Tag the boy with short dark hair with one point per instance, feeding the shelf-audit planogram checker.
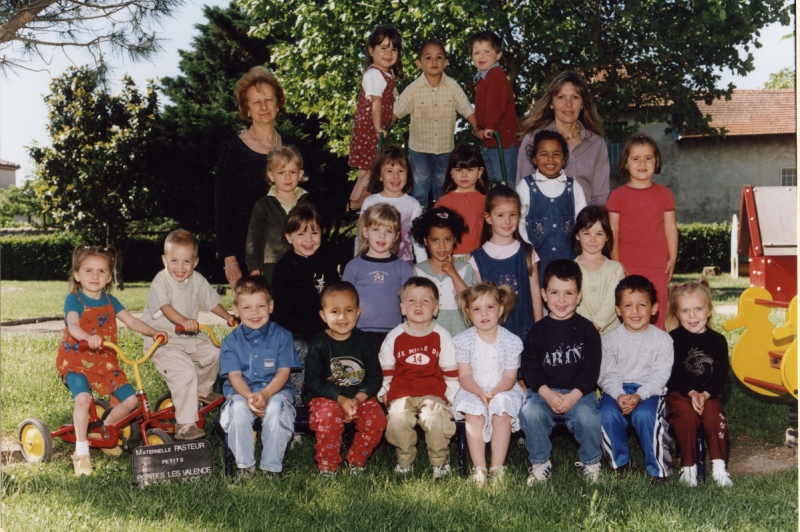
(256, 359)
(560, 364)
(343, 375)
(494, 105)
(189, 364)
(637, 363)
(420, 379)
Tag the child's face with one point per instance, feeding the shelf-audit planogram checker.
(394, 177)
(693, 312)
(592, 239)
(562, 297)
(287, 178)
(93, 275)
(340, 312)
(440, 242)
(549, 158)
(254, 309)
(419, 307)
(180, 261)
(636, 309)
(504, 218)
(641, 163)
(484, 56)
(567, 104)
(306, 240)
(465, 177)
(384, 56)
(432, 60)
(485, 312)
(380, 239)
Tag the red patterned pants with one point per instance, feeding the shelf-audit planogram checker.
(685, 422)
(326, 420)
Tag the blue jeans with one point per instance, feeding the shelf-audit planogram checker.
(491, 156)
(583, 420)
(428, 170)
(649, 419)
(277, 429)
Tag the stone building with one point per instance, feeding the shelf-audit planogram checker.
(8, 173)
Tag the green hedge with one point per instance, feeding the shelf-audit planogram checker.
(701, 245)
(48, 258)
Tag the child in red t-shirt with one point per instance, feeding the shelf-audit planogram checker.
(642, 216)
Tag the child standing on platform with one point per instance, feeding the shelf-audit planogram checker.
(642, 216)
(375, 104)
(505, 258)
(464, 191)
(440, 230)
(593, 240)
(343, 375)
(694, 390)
(433, 100)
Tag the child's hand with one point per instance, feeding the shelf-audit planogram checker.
(485, 397)
(381, 130)
(623, 402)
(95, 342)
(670, 269)
(190, 326)
(698, 402)
(522, 385)
(569, 400)
(257, 403)
(554, 399)
(487, 133)
(634, 400)
(164, 334)
(448, 267)
(350, 409)
(232, 320)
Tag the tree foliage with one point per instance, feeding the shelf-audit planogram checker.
(649, 57)
(782, 79)
(29, 28)
(19, 201)
(96, 177)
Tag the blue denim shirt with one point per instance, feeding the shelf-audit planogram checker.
(258, 354)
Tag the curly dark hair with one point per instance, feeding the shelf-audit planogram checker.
(438, 217)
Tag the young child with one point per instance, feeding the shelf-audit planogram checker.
(420, 379)
(560, 365)
(550, 200)
(642, 216)
(488, 361)
(464, 191)
(694, 390)
(375, 103)
(432, 100)
(265, 241)
(297, 282)
(505, 258)
(440, 230)
(190, 364)
(494, 105)
(637, 361)
(343, 376)
(377, 273)
(256, 360)
(390, 181)
(91, 314)
(593, 240)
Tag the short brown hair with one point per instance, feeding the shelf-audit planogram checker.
(638, 140)
(420, 282)
(251, 284)
(390, 154)
(301, 216)
(256, 76)
(181, 238)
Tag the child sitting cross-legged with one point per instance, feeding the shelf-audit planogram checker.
(256, 359)
(343, 375)
(560, 365)
(420, 379)
(637, 363)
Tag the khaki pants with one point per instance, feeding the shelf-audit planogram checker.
(185, 380)
(433, 416)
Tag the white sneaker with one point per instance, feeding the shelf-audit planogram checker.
(441, 471)
(720, 474)
(479, 476)
(689, 476)
(496, 473)
(539, 473)
(590, 472)
(402, 470)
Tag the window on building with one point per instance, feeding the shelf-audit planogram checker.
(789, 177)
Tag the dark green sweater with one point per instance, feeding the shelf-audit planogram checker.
(346, 367)
(265, 241)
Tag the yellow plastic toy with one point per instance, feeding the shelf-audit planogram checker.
(788, 364)
(750, 359)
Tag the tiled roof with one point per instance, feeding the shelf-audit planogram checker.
(752, 112)
(8, 164)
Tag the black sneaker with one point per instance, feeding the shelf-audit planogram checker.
(658, 482)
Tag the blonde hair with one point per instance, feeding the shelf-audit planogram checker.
(700, 287)
(258, 75)
(279, 157)
(83, 252)
(503, 294)
(381, 215)
(181, 238)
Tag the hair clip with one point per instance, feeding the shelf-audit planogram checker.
(443, 215)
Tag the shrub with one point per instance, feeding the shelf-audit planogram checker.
(701, 245)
